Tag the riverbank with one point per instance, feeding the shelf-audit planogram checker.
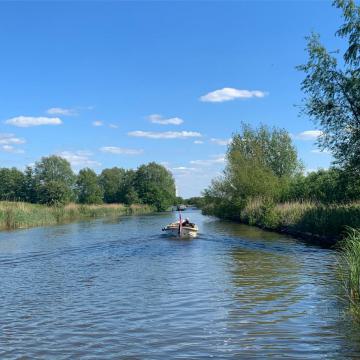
(320, 224)
(17, 215)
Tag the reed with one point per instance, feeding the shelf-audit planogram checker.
(15, 215)
(349, 269)
(307, 217)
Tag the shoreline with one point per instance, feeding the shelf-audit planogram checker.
(20, 215)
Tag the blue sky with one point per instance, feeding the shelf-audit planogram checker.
(124, 83)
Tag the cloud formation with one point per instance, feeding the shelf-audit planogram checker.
(198, 142)
(308, 135)
(98, 123)
(158, 119)
(79, 158)
(8, 139)
(28, 121)
(61, 111)
(165, 134)
(221, 142)
(215, 159)
(227, 94)
(121, 151)
(11, 149)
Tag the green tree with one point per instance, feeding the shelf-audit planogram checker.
(111, 181)
(12, 184)
(88, 188)
(332, 88)
(155, 186)
(54, 180)
(260, 163)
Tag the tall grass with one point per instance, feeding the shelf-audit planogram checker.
(14, 215)
(306, 217)
(349, 265)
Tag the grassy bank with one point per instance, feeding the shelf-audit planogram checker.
(15, 215)
(349, 265)
(324, 224)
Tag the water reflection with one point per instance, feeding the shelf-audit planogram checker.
(117, 288)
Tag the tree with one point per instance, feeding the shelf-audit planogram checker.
(88, 188)
(111, 181)
(260, 163)
(155, 186)
(12, 184)
(54, 180)
(332, 88)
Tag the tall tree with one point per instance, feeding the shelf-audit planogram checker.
(88, 188)
(54, 180)
(12, 184)
(155, 186)
(111, 181)
(332, 88)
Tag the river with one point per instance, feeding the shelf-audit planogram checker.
(120, 289)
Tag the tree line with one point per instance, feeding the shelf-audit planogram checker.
(51, 181)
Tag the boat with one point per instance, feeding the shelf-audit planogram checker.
(182, 231)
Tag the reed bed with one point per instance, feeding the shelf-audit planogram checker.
(15, 215)
(349, 269)
(306, 217)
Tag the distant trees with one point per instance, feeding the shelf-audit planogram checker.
(155, 185)
(332, 88)
(88, 188)
(51, 181)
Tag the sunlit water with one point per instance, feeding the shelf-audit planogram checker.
(121, 290)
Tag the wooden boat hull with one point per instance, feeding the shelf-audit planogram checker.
(185, 232)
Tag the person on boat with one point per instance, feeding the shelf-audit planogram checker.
(187, 223)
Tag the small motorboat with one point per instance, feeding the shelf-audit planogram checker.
(182, 229)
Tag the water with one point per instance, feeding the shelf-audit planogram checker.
(121, 290)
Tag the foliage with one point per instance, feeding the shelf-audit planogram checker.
(302, 217)
(15, 215)
(332, 86)
(349, 261)
(326, 186)
(111, 181)
(54, 180)
(88, 188)
(155, 186)
(11, 184)
(260, 163)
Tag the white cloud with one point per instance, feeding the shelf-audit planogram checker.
(61, 111)
(113, 126)
(11, 149)
(165, 134)
(158, 119)
(7, 139)
(222, 142)
(216, 159)
(121, 151)
(98, 123)
(27, 121)
(308, 135)
(198, 142)
(183, 168)
(227, 94)
(79, 158)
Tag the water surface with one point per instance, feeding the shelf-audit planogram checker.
(119, 289)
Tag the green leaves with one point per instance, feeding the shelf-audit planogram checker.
(332, 89)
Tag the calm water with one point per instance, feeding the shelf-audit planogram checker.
(121, 290)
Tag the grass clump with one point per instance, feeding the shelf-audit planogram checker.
(15, 215)
(349, 261)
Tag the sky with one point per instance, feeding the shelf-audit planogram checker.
(108, 84)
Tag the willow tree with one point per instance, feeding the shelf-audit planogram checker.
(332, 88)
